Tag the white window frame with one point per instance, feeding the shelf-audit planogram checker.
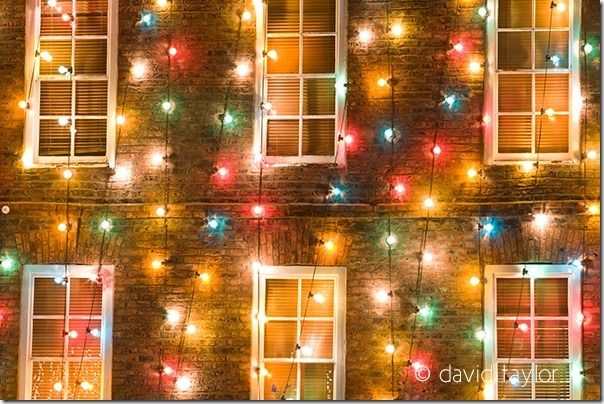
(492, 156)
(32, 118)
(260, 121)
(73, 271)
(338, 275)
(573, 274)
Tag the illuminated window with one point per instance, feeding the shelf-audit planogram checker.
(521, 49)
(289, 317)
(65, 347)
(72, 97)
(304, 61)
(533, 331)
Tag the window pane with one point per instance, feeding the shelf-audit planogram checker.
(559, 18)
(556, 387)
(551, 339)
(287, 55)
(92, 17)
(281, 298)
(54, 138)
(49, 297)
(91, 137)
(55, 98)
(51, 22)
(86, 343)
(515, 13)
(47, 337)
(522, 390)
(319, 97)
(556, 92)
(279, 338)
(318, 137)
(319, 16)
(44, 376)
(514, 134)
(90, 372)
(91, 98)
(284, 95)
(316, 381)
(515, 93)
(558, 46)
(83, 293)
(321, 287)
(61, 55)
(514, 50)
(283, 16)
(319, 54)
(551, 297)
(282, 138)
(521, 347)
(513, 297)
(90, 56)
(317, 339)
(554, 134)
(274, 384)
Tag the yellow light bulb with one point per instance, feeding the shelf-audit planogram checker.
(246, 16)
(365, 36)
(474, 281)
(205, 277)
(593, 209)
(23, 104)
(161, 211)
(62, 227)
(527, 166)
(428, 203)
(472, 173)
(272, 54)
(156, 264)
(138, 70)
(329, 245)
(592, 154)
(382, 82)
(67, 174)
(397, 30)
(474, 67)
(191, 329)
(390, 348)
(120, 119)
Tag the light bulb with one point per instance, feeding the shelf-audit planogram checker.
(272, 54)
(474, 281)
(550, 112)
(472, 173)
(555, 59)
(172, 51)
(156, 264)
(120, 119)
(427, 257)
(62, 69)
(483, 12)
(450, 100)
(335, 191)
(348, 139)
(382, 296)
(167, 106)
(399, 189)
(593, 209)
(514, 380)
(480, 335)
(46, 56)
(222, 171)
(428, 203)
(263, 372)
(588, 48)
(23, 104)
(213, 224)
(527, 166)
(67, 174)
(157, 159)
(58, 280)
(106, 225)
(183, 383)
(162, 3)
(389, 134)
(319, 298)
(523, 327)
(436, 150)
(167, 370)
(227, 118)
(561, 7)
(390, 348)
(146, 18)
(486, 119)
(365, 35)
(204, 277)
(242, 69)
(62, 227)
(65, 17)
(488, 227)
(122, 173)
(172, 316)
(391, 240)
(267, 106)
(256, 266)
(161, 211)
(592, 154)
(86, 386)
(382, 82)
(191, 329)
(138, 70)
(257, 210)
(52, 3)
(73, 334)
(58, 386)
(329, 245)
(425, 311)
(95, 332)
(246, 16)
(489, 391)
(579, 318)
(306, 350)
(458, 47)
(63, 121)
(6, 263)
(474, 67)
(416, 365)
(541, 220)
(397, 30)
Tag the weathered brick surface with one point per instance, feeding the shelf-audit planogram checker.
(205, 33)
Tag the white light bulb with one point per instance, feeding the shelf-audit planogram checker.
(365, 35)
(390, 348)
(427, 257)
(166, 106)
(397, 30)
(246, 16)
(458, 47)
(481, 335)
(67, 174)
(242, 69)
(191, 329)
(527, 166)
(157, 159)
(227, 119)
(306, 350)
(63, 120)
(391, 239)
(106, 225)
(523, 327)
(122, 173)
(588, 48)
(58, 386)
(319, 298)
(592, 154)
(73, 334)
(483, 12)
(95, 332)
(474, 281)
(46, 56)
(172, 316)
(86, 386)
(258, 210)
(272, 54)
(120, 119)
(138, 70)
(205, 277)
(161, 211)
(428, 203)
(213, 224)
(183, 383)
(561, 7)
(168, 370)
(474, 67)
(541, 220)
(382, 296)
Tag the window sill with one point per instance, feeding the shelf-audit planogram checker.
(274, 161)
(82, 162)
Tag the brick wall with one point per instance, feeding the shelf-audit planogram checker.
(205, 33)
